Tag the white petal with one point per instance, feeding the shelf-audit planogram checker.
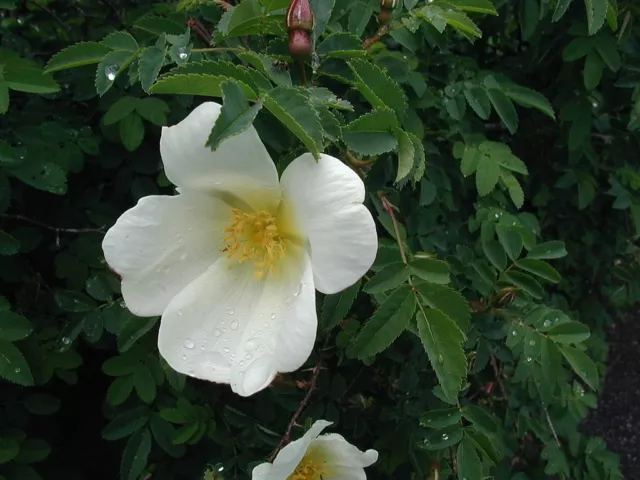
(327, 197)
(290, 456)
(162, 244)
(345, 473)
(241, 161)
(229, 327)
(337, 452)
(261, 472)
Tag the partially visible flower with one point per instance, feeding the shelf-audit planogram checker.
(315, 457)
(232, 262)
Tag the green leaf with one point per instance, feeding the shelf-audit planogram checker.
(153, 110)
(4, 97)
(13, 366)
(120, 41)
(120, 365)
(447, 300)
(144, 384)
(462, 23)
(528, 98)
(593, 68)
(442, 439)
(440, 418)
(582, 365)
(391, 276)
(378, 88)
(371, 134)
(548, 251)
(78, 55)
(131, 131)
(431, 270)
(481, 419)
(561, 8)
(386, 324)
(72, 301)
(133, 330)
(185, 433)
(406, 154)
(469, 464)
(119, 390)
(30, 80)
(478, 100)
(267, 66)
(341, 45)
(442, 340)
(149, 66)
(43, 175)
(608, 49)
(525, 282)
(515, 190)
(322, 10)
(487, 175)
(135, 455)
(8, 244)
(577, 48)
(126, 423)
(540, 269)
(120, 109)
(33, 450)
(196, 84)
(596, 14)
(42, 404)
(511, 241)
(476, 6)
(9, 448)
(235, 117)
(569, 332)
(529, 18)
(336, 307)
(495, 254)
(14, 327)
(163, 433)
(110, 67)
(292, 108)
(504, 107)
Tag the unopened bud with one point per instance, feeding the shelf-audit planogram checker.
(389, 4)
(300, 16)
(299, 43)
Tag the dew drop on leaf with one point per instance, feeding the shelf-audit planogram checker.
(182, 53)
(445, 436)
(110, 72)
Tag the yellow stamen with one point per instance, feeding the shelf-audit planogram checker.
(307, 469)
(254, 237)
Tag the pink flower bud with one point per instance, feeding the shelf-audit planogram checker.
(299, 43)
(300, 16)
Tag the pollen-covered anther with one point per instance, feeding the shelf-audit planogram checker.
(254, 237)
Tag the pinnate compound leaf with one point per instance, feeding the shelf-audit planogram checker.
(386, 324)
(378, 88)
(336, 307)
(135, 455)
(442, 340)
(236, 115)
(13, 365)
(78, 55)
(292, 107)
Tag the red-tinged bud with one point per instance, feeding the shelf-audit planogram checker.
(299, 44)
(389, 4)
(300, 16)
(384, 17)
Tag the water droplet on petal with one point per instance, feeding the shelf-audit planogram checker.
(231, 312)
(234, 325)
(250, 344)
(226, 350)
(179, 313)
(110, 72)
(184, 358)
(189, 344)
(298, 290)
(242, 363)
(217, 333)
(273, 316)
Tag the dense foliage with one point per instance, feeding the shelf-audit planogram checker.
(498, 143)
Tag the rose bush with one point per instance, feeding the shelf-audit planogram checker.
(225, 224)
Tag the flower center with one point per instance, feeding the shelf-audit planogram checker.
(254, 237)
(307, 470)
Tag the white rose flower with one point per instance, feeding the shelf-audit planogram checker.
(232, 262)
(313, 457)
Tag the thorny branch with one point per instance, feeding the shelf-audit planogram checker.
(286, 438)
(49, 227)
